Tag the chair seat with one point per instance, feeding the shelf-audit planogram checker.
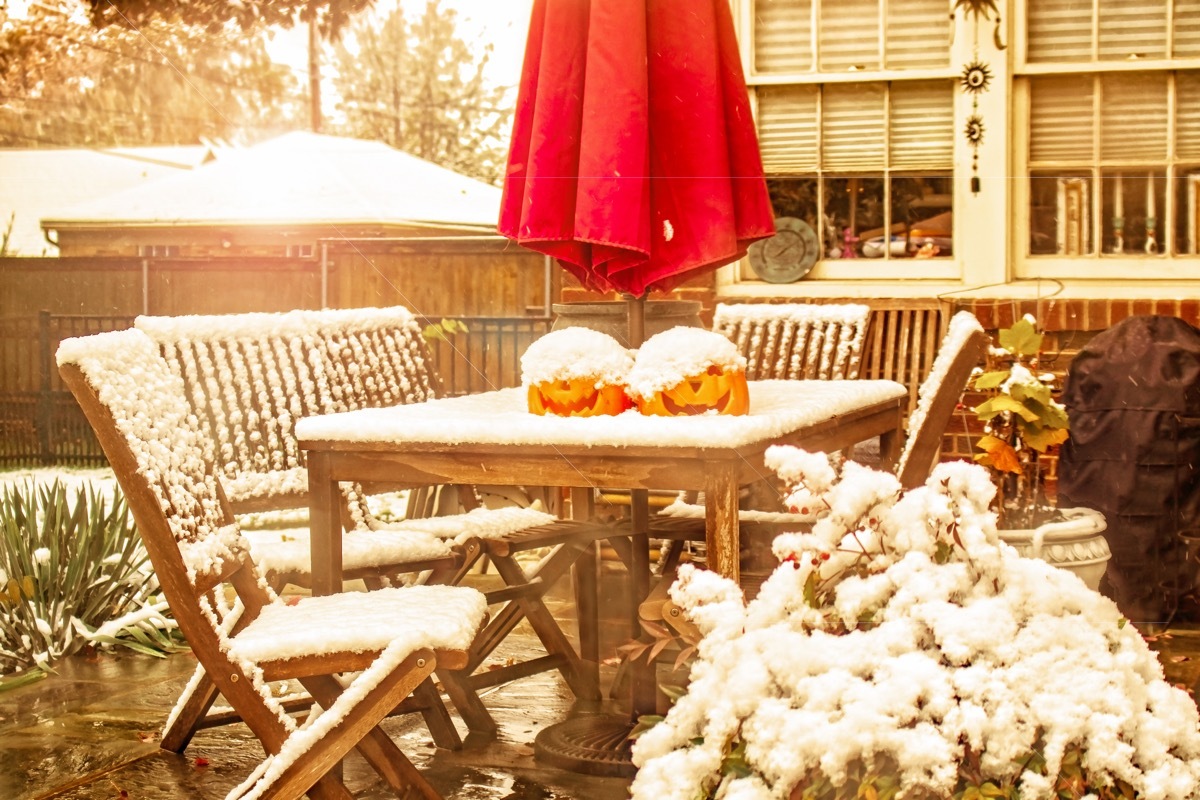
(410, 541)
(437, 617)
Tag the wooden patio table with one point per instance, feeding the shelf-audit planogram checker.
(491, 438)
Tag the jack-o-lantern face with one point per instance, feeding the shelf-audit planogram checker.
(724, 392)
(578, 397)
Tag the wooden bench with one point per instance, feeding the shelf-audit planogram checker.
(796, 340)
(249, 377)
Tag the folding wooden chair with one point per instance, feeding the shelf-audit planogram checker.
(399, 636)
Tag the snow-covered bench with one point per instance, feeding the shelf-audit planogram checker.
(796, 340)
(249, 377)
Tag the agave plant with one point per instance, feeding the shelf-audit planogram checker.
(71, 564)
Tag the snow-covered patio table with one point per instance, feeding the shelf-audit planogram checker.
(492, 438)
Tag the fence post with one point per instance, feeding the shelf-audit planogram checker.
(45, 397)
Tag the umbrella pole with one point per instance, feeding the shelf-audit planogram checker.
(636, 311)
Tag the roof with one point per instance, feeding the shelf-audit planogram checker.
(33, 182)
(300, 179)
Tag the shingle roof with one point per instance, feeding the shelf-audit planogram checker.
(33, 182)
(300, 178)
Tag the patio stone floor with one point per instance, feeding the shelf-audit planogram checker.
(90, 732)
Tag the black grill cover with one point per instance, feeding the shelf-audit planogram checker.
(1133, 397)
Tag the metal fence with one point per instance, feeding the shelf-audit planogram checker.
(41, 425)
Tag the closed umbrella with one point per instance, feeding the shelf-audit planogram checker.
(634, 160)
(635, 164)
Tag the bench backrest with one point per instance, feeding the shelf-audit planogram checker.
(249, 377)
(796, 340)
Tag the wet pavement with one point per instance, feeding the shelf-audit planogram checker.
(90, 732)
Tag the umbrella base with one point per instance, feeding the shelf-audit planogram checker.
(612, 317)
(593, 744)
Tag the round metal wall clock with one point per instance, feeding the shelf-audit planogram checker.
(788, 255)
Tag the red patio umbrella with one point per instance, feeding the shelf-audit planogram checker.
(634, 159)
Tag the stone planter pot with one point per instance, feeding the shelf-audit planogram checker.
(1075, 543)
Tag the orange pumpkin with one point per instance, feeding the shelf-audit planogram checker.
(716, 389)
(577, 397)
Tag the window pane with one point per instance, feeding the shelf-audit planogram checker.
(854, 205)
(1133, 115)
(797, 197)
(922, 215)
(913, 26)
(1132, 205)
(1187, 115)
(853, 133)
(922, 125)
(783, 35)
(1187, 29)
(849, 35)
(1136, 30)
(1060, 213)
(1060, 118)
(1187, 217)
(1059, 30)
(787, 128)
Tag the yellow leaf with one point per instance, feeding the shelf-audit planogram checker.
(1000, 453)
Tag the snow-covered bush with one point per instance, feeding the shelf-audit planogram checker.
(901, 650)
(72, 572)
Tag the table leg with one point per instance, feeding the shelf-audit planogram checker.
(643, 686)
(325, 526)
(722, 536)
(585, 574)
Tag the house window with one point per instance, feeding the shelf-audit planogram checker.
(298, 251)
(1113, 163)
(866, 165)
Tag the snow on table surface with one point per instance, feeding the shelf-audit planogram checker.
(777, 407)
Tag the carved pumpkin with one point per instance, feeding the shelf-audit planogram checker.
(716, 389)
(577, 397)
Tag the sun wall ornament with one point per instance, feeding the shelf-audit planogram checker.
(976, 76)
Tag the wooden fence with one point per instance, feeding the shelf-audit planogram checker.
(41, 425)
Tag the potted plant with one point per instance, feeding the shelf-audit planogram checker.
(1022, 422)
(899, 650)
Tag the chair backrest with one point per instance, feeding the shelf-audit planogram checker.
(796, 340)
(249, 377)
(963, 348)
(902, 342)
(165, 468)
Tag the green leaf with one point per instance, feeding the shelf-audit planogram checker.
(1042, 439)
(991, 380)
(1021, 339)
(1001, 403)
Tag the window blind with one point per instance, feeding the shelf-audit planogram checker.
(1058, 30)
(853, 126)
(916, 35)
(921, 134)
(1060, 119)
(1133, 116)
(787, 129)
(783, 35)
(1133, 29)
(1186, 36)
(849, 35)
(1187, 115)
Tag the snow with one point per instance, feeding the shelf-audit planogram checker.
(898, 632)
(795, 340)
(576, 353)
(668, 358)
(502, 418)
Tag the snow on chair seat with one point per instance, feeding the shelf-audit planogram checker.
(166, 469)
